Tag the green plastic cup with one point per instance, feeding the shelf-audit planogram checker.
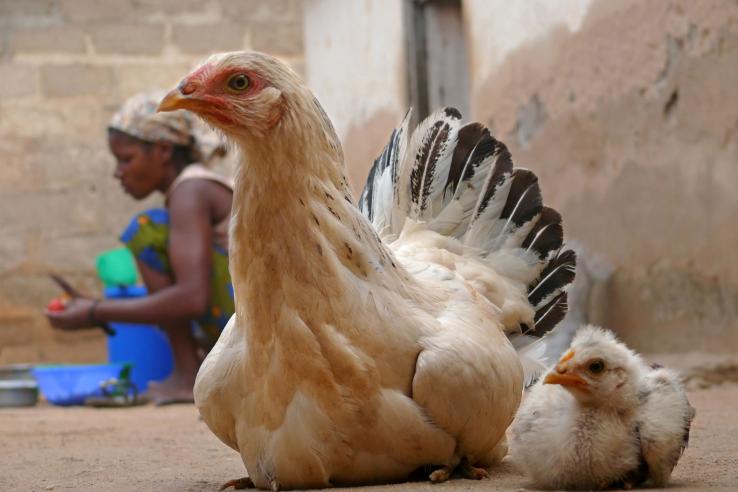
(116, 267)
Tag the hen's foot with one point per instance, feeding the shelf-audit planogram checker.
(472, 472)
(466, 469)
(442, 474)
(239, 484)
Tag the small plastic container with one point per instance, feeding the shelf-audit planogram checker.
(145, 347)
(70, 384)
(116, 267)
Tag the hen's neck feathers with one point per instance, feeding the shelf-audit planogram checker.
(295, 234)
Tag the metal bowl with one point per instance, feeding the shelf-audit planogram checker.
(18, 393)
(16, 371)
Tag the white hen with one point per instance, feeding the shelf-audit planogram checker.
(360, 352)
(601, 418)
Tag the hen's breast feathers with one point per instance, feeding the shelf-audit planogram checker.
(331, 328)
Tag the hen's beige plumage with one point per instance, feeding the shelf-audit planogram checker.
(352, 358)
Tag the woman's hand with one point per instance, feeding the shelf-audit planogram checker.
(75, 316)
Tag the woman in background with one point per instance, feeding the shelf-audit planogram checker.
(181, 250)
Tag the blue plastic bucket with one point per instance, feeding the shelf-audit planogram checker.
(71, 384)
(145, 347)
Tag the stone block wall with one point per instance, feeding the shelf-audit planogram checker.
(65, 66)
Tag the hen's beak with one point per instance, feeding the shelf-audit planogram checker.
(184, 96)
(564, 376)
(174, 100)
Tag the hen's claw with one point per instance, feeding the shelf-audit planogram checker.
(239, 484)
(472, 472)
(466, 469)
(441, 475)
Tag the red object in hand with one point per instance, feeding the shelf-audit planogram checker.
(57, 304)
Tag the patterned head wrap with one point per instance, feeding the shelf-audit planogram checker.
(138, 117)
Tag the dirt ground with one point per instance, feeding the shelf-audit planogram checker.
(162, 449)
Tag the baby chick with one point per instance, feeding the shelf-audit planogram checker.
(601, 418)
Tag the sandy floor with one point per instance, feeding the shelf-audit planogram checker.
(147, 448)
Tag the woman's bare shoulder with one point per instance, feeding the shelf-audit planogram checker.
(201, 194)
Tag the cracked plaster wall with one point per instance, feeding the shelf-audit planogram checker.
(628, 112)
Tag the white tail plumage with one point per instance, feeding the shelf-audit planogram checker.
(461, 182)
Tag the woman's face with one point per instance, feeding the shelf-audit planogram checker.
(139, 168)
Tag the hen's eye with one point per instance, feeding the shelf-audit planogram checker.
(238, 82)
(596, 366)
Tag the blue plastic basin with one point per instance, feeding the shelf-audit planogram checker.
(71, 384)
(145, 347)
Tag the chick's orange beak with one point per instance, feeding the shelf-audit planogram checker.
(565, 379)
(563, 374)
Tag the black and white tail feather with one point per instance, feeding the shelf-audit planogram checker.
(460, 181)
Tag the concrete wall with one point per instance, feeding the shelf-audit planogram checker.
(355, 63)
(65, 66)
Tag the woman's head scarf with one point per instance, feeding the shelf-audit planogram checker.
(138, 118)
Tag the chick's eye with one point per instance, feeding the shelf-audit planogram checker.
(238, 82)
(596, 366)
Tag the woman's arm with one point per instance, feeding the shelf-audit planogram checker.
(190, 255)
